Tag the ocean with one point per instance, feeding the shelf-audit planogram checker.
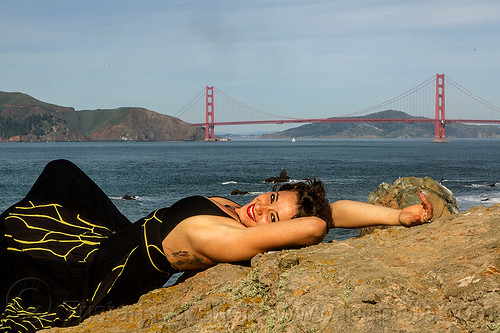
(160, 173)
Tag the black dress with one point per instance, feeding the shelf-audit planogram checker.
(66, 251)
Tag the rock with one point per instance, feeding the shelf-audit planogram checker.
(238, 192)
(129, 197)
(442, 276)
(282, 178)
(404, 193)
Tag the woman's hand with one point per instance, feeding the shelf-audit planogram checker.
(416, 214)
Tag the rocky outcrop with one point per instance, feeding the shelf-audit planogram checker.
(282, 178)
(442, 276)
(404, 192)
(129, 197)
(238, 192)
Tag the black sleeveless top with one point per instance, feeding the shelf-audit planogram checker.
(66, 251)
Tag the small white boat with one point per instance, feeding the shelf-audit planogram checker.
(293, 140)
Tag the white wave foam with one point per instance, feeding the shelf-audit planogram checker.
(229, 182)
(485, 199)
(289, 181)
(120, 198)
(482, 185)
(458, 180)
(135, 197)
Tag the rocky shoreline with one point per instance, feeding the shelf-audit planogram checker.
(442, 276)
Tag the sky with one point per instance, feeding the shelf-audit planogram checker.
(297, 58)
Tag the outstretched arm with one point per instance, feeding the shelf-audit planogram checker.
(352, 214)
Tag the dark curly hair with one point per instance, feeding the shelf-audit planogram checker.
(311, 199)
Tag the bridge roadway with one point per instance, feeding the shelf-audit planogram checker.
(347, 120)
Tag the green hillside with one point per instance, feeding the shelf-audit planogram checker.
(24, 118)
(91, 121)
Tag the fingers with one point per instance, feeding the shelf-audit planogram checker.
(427, 205)
(411, 220)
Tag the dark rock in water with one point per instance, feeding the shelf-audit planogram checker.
(129, 197)
(404, 193)
(282, 178)
(492, 185)
(485, 199)
(442, 276)
(238, 192)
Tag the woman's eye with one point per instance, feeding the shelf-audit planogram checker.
(273, 196)
(273, 218)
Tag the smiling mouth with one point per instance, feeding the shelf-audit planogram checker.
(251, 212)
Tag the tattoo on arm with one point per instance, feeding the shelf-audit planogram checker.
(183, 259)
(180, 254)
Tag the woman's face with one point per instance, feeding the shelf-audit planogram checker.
(268, 208)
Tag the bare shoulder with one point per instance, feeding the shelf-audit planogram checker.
(223, 201)
(227, 206)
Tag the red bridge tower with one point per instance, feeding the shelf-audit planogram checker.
(209, 125)
(440, 135)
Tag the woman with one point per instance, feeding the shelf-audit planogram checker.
(69, 253)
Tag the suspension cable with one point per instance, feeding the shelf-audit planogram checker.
(190, 104)
(250, 107)
(472, 95)
(392, 100)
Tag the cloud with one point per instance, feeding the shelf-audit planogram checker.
(280, 54)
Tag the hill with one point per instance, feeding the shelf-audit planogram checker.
(384, 130)
(24, 118)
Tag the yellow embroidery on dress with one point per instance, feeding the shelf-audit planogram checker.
(122, 267)
(88, 255)
(26, 317)
(153, 217)
(71, 309)
(148, 246)
(20, 317)
(33, 205)
(95, 291)
(59, 218)
(94, 226)
(86, 235)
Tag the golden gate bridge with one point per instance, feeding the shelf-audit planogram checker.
(421, 101)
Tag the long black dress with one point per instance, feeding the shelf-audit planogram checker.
(66, 252)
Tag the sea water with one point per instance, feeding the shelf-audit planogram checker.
(160, 173)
